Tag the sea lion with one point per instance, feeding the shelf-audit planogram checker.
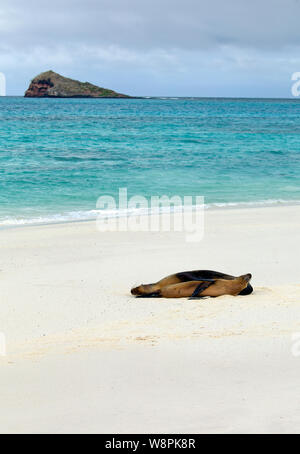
(196, 284)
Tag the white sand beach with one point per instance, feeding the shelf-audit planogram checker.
(84, 356)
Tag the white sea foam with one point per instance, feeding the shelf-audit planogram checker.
(89, 215)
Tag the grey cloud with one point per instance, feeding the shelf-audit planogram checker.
(145, 24)
(175, 47)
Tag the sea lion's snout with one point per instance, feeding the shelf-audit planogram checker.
(247, 277)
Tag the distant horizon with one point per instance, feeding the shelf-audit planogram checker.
(13, 92)
(291, 98)
(213, 92)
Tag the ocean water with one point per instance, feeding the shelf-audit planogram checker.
(57, 156)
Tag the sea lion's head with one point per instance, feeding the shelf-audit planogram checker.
(243, 284)
(246, 277)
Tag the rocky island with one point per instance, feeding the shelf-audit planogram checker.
(52, 85)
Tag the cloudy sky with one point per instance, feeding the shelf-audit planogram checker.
(155, 47)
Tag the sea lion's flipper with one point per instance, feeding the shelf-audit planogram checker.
(200, 288)
(145, 289)
(150, 295)
(247, 291)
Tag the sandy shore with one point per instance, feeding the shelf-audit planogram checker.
(85, 356)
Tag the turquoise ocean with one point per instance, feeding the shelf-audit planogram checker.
(57, 156)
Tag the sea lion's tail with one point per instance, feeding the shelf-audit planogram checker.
(147, 289)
